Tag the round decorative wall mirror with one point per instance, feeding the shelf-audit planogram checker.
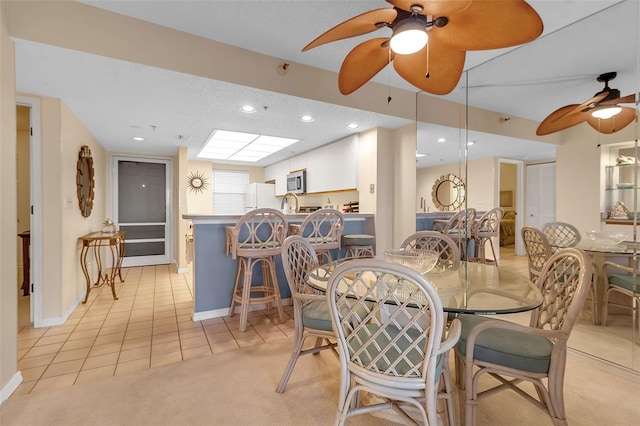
(448, 193)
(84, 181)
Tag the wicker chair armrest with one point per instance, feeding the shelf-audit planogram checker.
(628, 269)
(310, 297)
(295, 229)
(453, 335)
(231, 241)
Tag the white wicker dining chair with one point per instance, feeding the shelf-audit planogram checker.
(436, 241)
(483, 231)
(323, 228)
(458, 227)
(623, 280)
(311, 315)
(561, 235)
(397, 355)
(537, 248)
(512, 353)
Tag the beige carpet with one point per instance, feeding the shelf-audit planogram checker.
(237, 388)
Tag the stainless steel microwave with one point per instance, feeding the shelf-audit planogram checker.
(297, 182)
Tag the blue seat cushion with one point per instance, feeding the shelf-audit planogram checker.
(628, 282)
(509, 348)
(316, 315)
(358, 240)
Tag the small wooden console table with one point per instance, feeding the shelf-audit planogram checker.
(26, 264)
(115, 244)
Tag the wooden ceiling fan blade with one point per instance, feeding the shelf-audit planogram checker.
(586, 104)
(444, 65)
(433, 7)
(362, 63)
(490, 24)
(629, 99)
(613, 124)
(358, 25)
(561, 119)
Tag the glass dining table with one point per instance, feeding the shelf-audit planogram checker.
(474, 288)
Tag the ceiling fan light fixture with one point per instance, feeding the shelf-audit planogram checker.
(409, 35)
(605, 113)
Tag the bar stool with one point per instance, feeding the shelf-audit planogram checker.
(256, 239)
(359, 245)
(323, 229)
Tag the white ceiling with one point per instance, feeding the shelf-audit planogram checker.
(117, 99)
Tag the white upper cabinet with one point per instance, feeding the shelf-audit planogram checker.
(278, 172)
(332, 167)
(299, 162)
(336, 165)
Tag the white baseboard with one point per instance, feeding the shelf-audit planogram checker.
(10, 387)
(50, 322)
(223, 312)
(215, 313)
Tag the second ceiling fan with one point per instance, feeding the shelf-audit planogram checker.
(604, 112)
(429, 39)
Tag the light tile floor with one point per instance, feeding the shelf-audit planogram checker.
(149, 326)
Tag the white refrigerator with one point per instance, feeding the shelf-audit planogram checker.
(261, 195)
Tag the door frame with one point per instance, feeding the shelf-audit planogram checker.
(519, 200)
(35, 200)
(168, 162)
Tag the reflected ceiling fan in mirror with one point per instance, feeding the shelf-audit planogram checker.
(429, 39)
(604, 112)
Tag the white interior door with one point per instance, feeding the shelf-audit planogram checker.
(142, 208)
(540, 194)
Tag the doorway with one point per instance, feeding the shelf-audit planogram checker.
(29, 206)
(142, 207)
(511, 197)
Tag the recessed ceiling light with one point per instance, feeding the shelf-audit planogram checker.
(352, 126)
(137, 138)
(248, 109)
(441, 140)
(306, 119)
(420, 155)
(471, 143)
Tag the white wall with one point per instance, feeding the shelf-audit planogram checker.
(579, 174)
(9, 375)
(481, 185)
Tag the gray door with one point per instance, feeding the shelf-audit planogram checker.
(142, 207)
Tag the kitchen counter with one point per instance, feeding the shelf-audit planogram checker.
(214, 271)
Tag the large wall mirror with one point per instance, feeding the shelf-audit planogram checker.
(566, 68)
(448, 193)
(541, 76)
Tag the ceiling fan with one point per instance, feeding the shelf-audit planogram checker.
(603, 111)
(429, 39)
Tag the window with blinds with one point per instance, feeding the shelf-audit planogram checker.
(229, 189)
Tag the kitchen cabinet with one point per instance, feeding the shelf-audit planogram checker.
(278, 173)
(333, 167)
(336, 166)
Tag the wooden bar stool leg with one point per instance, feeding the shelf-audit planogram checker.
(276, 289)
(236, 287)
(246, 294)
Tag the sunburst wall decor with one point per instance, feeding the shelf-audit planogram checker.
(197, 182)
